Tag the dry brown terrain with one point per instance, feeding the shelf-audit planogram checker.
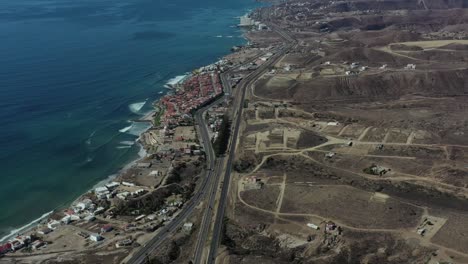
(361, 124)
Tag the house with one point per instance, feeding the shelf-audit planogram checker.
(151, 217)
(83, 234)
(53, 224)
(123, 195)
(332, 123)
(95, 237)
(421, 231)
(90, 218)
(144, 164)
(188, 226)
(111, 186)
(37, 244)
(99, 210)
(106, 228)
(45, 231)
(15, 245)
(100, 190)
(123, 243)
(5, 248)
(313, 226)
(66, 220)
(128, 184)
(19, 242)
(138, 218)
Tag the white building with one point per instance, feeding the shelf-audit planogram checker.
(53, 224)
(246, 21)
(128, 184)
(112, 185)
(95, 237)
(313, 226)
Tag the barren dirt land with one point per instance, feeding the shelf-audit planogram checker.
(354, 146)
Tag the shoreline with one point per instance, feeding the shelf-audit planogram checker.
(147, 117)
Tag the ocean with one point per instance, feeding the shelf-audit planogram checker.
(72, 75)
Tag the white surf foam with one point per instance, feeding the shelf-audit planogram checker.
(136, 107)
(127, 143)
(174, 81)
(24, 228)
(126, 129)
(123, 147)
(138, 128)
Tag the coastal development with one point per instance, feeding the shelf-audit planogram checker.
(338, 134)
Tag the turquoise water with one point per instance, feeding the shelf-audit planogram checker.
(73, 72)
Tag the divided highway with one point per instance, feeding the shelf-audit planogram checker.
(243, 85)
(210, 182)
(142, 255)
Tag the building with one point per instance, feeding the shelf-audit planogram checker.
(246, 21)
(188, 226)
(37, 244)
(128, 184)
(90, 218)
(99, 190)
(144, 165)
(5, 248)
(106, 228)
(138, 218)
(111, 186)
(95, 237)
(123, 243)
(53, 224)
(45, 231)
(313, 226)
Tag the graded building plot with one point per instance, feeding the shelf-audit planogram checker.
(308, 139)
(430, 225)
(409, 151)
(424, 137)
(375, 134)
(332, 128)
(353, 131)
(428, 44)
(396, 135)
(351, 206)
(379, 197)
(264, 198)
(357, 164)
(454, 233)
(450, 175)
(277, 87)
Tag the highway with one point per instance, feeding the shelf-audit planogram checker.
(210, 182)
(246, 82)
(142, 255)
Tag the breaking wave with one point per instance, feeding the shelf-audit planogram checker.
(136, 128)
(23, 228)
(125, 129)
(136, 107)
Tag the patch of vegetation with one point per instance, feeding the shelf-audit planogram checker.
(221, 142)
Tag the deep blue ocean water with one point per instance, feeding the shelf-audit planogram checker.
(72, 73)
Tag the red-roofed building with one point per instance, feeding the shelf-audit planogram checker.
(5, 248)
(106, 228)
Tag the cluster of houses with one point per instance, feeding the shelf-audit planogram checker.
(18, 243)
(194, 93)
(110, 190)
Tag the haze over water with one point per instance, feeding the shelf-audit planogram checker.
(73, 72)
